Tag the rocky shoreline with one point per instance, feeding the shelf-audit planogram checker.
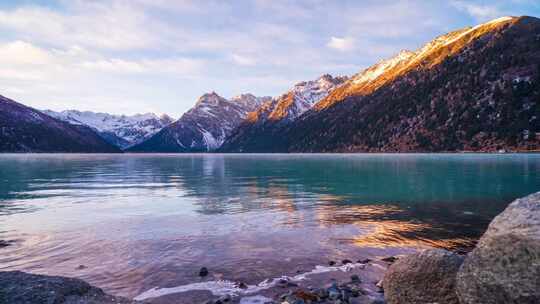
(504, 267)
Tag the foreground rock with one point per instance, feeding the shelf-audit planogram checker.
(425, 277)
(505, 265)
(24, 288)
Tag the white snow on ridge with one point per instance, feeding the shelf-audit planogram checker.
(308, 93)
(132, 128)
(494, 21)
(102, 121)
(406, 57)
(380, 68)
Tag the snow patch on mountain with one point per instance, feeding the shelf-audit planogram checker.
(381, 67)
(300, 98)
(307, 93)
(129, 129)
(205, 126)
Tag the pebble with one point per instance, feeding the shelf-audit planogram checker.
(364, 261)
(390, 260)
(203, 272)
(305, 295)
(241, 285)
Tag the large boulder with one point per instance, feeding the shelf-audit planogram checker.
(24, 288)
(505, 265)
(424, 277)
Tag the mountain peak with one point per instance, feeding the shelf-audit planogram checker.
(243, 96)
(428, 56)
(30, 130)
(205, 126)
(212, 94)
(469, 90)
(210, 98)
(166, 119)
(300, 98)
(249, 101)
(120, 130)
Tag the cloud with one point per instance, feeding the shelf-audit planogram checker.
(114, 65)
(478, 11)
(341, 43)
(92, 24)
(21, 52)
(243, 60)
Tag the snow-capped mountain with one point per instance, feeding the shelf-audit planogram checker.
(204, 127)
(297, 100)
(281, 110)
(430, 55)
(473, 89)
(121, 130)
(24, 129)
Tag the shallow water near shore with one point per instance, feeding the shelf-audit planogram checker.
(129, 223)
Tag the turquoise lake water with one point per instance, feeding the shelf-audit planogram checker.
(131, 222)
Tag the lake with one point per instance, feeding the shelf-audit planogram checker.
(128, 223)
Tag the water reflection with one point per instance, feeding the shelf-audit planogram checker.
(389, 225)
(138, 221)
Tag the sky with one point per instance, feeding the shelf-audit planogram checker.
(138, 56)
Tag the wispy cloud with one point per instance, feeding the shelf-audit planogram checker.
(341, 43)
(481, 12)
(23, 53)
(243, 60)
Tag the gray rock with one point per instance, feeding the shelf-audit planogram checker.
(4, 243)
(424, 277)
(24, 288)
(505, 265)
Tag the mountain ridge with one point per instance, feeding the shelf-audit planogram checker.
(24, 129)
(430, 108)
(472, 89)
(204, 127)
(259, 125)
(356, 116)
(122, 131)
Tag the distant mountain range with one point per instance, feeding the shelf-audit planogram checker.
(23, 129)
(258, 132)
(474, 89)
(122, 131)
(204, 127)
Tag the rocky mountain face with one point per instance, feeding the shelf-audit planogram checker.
(204, 127)
(23, 129)
(258, 131)
(475, 89)
(122, 131)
